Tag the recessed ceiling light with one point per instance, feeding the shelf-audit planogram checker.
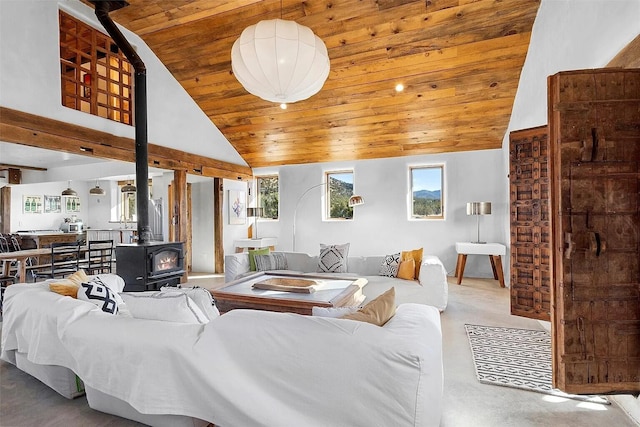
(399, 87)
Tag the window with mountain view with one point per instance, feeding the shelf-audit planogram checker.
(268, 195)
(427, 200)
(339, 187)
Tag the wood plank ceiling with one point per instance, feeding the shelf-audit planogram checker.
(459, 60)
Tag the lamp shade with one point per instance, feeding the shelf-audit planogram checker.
(255, 212)
(97, 191)
(280, 61)
(479, 208)
(69, 191)
(356, 201)
(129, 188)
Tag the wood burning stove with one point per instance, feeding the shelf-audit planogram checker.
(150, 266)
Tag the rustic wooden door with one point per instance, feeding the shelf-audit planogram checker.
(594, 125)
(530, 260)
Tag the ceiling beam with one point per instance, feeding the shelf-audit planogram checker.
(41, 132)
(6, 166)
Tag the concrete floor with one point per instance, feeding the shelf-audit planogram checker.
(24, 401)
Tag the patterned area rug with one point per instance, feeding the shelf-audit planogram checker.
(518, 358)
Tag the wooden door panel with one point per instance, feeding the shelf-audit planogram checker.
(530, 244)
(595, 174)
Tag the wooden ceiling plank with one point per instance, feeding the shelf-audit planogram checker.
(459, 59)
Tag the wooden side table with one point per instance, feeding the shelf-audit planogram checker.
(493, 250)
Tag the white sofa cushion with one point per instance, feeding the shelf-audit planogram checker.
(201, 296)
(166, 306)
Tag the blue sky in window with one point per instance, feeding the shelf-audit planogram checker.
(344, 177)
(426, 179)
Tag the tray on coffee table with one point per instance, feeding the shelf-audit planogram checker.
(330, 291)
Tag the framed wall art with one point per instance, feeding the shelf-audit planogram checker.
(32, 204)
(52, 204)
(237, 207)
(71, 204)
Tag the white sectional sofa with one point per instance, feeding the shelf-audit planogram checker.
(430, 289)
(244, 368)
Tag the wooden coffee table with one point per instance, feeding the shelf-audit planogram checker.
(332, 291)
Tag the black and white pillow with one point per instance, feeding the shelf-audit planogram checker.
(390, 265)
(99, 294)
(333, 258)
(273, 261)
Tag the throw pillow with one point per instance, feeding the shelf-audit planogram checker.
(253, 253)
(333, 258)
(113, 281)
(65, 287)
(166, 306)
(78, 277)
(99, 294)
(406, 270)
(416, 255)
(274, 261)
(390, 265)
(378, 311)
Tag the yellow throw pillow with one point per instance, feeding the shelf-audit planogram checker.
(79, 277)
(406, 270)
(378, 311)
(65, 287)
(416, 255)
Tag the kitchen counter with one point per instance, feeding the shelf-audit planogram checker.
(118, 235)
(43, 239)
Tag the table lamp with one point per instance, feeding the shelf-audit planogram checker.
(477, 209)
(256, 213)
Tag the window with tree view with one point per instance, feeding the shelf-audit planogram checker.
(268, 195)
(339, 188)
(427, 190)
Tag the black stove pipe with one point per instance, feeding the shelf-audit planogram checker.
(102, 9)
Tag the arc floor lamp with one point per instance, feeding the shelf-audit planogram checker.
(353, 201)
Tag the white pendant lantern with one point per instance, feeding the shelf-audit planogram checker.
(280, 61)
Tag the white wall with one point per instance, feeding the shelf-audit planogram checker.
(203, 232)
(30, 81)
(44, 221)
(381, 226)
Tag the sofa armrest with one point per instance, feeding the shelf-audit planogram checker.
(433, 278)
(235, 265)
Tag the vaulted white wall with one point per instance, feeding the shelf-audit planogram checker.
(30, 81)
